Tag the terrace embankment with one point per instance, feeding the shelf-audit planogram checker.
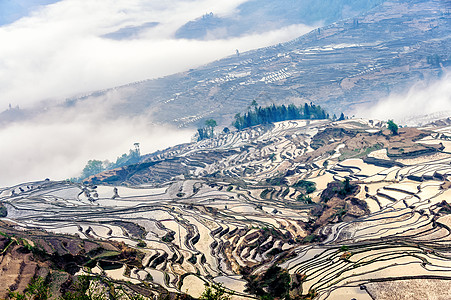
(338, 204)
(299, 194)
(358, 143)
(26, 256)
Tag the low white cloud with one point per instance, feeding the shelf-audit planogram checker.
(59, 50)
(58, 144)
(423, 103)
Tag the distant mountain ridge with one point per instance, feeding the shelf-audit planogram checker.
(263, 15)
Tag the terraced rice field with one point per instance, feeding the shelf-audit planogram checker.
(236, 203)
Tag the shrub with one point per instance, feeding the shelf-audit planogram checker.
(392, 127)
(304, 198)
(275, 282)
(264, 193)
(214, 292)
(308, 186)
(168, 237)
(344, 248)
(37, 289)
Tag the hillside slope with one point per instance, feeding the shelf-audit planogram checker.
(327, 210)
(350, 62)
(347, 63)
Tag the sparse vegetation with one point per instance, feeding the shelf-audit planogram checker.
(193, 259)
(434, 60)
(277, 180)
(304, 198)
(141, 244)
(273, 284)
(344, 248)
(3, 211)
(207, 131)
(308, 186)
(265, 193)
(275, 251)
(37, 289)
(215, 292)
(311, 238)
(80, 290)
(392, 127)
(285, 192)
(168, 237)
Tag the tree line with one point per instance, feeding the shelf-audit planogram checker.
(264, 115)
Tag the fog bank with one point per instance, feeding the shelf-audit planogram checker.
(62, 49)
(58, 144)
(423, 103)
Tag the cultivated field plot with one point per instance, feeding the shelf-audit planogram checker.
(338, 205)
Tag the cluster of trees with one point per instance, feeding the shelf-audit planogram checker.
(346, 188)
(206, 132)
(308, 186)
(340, 189)
(258, 115)
(96, 166)
(265, 115)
